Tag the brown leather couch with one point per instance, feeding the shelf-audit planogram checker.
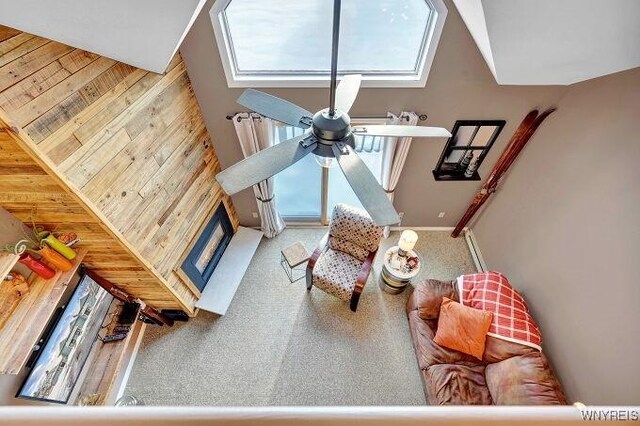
(509, 374)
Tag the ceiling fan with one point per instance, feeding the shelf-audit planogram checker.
(328, 134)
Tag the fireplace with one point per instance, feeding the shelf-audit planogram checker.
(208, 248)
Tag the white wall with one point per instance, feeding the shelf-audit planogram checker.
(142, 33)
(554, 42)
(564, 228)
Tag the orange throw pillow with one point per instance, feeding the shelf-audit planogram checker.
(462, 328)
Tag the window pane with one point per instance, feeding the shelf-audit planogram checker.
(297, 187)
(287, 36)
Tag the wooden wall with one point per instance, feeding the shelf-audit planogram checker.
(130, 143)
(25, 188)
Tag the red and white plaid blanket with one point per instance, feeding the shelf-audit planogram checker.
(491, 291)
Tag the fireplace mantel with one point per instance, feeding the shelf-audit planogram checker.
(226, 277)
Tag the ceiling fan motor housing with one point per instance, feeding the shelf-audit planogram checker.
(331, 129)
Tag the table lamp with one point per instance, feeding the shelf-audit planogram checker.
(408, 240)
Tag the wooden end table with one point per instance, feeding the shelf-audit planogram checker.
(395, 277)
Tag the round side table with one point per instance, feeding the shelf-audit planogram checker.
(394, 279)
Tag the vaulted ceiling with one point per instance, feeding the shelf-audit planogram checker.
(561, 42)
(143, 33)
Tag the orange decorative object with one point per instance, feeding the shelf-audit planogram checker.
(462, 328)
(55, 259)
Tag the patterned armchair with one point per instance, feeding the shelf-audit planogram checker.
(342, 262)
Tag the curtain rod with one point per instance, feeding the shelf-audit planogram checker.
(421, 117)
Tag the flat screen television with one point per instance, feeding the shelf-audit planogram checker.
(60, 361)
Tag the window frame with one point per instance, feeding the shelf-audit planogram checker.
(266, 79)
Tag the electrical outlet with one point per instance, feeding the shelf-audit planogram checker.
(401, 214)
(441, 214)
(255, 215)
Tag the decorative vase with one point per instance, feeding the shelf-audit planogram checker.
(466, 159)
(59, 246)
(36, 266)
(471, 169)
(55, 259)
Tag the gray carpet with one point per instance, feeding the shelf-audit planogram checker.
(279, 345)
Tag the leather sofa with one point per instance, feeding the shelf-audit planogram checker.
(509, 373)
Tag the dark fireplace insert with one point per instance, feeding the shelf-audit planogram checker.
(208, 248)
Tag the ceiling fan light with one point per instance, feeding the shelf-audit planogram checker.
(325, 161)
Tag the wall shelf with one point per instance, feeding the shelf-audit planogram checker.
(466, 149)
(106, 366)
(23, 329)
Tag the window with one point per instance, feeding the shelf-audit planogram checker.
(298, 186)
(282, 43)
(301, 187)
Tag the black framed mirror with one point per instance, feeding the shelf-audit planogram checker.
(465, 150)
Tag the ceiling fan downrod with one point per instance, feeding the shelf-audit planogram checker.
(334, 56)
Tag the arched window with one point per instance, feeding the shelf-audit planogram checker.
(284, 43)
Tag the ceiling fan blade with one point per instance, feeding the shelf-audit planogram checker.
(401, 131)
(347, 91)
(264, 164)
(275, 108)
(364, 184)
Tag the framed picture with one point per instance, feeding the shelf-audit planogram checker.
(60, 362)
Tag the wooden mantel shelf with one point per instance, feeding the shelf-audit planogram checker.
(22, 330)
(106, 366)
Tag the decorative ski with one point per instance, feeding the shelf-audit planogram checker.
(517, 142)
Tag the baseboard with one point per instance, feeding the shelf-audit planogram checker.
(423, 228)
(474, 249)
(303, 225)
(393, 228)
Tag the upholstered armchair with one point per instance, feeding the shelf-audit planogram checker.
(342, 262)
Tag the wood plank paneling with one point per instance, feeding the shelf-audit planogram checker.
(58, 94)
(30, 193)
(13, 50)
(22, 67)
(129, 143)
(10, 44)
(6, 32)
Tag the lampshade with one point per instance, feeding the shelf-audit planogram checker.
(408, 240)
(325, 161)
